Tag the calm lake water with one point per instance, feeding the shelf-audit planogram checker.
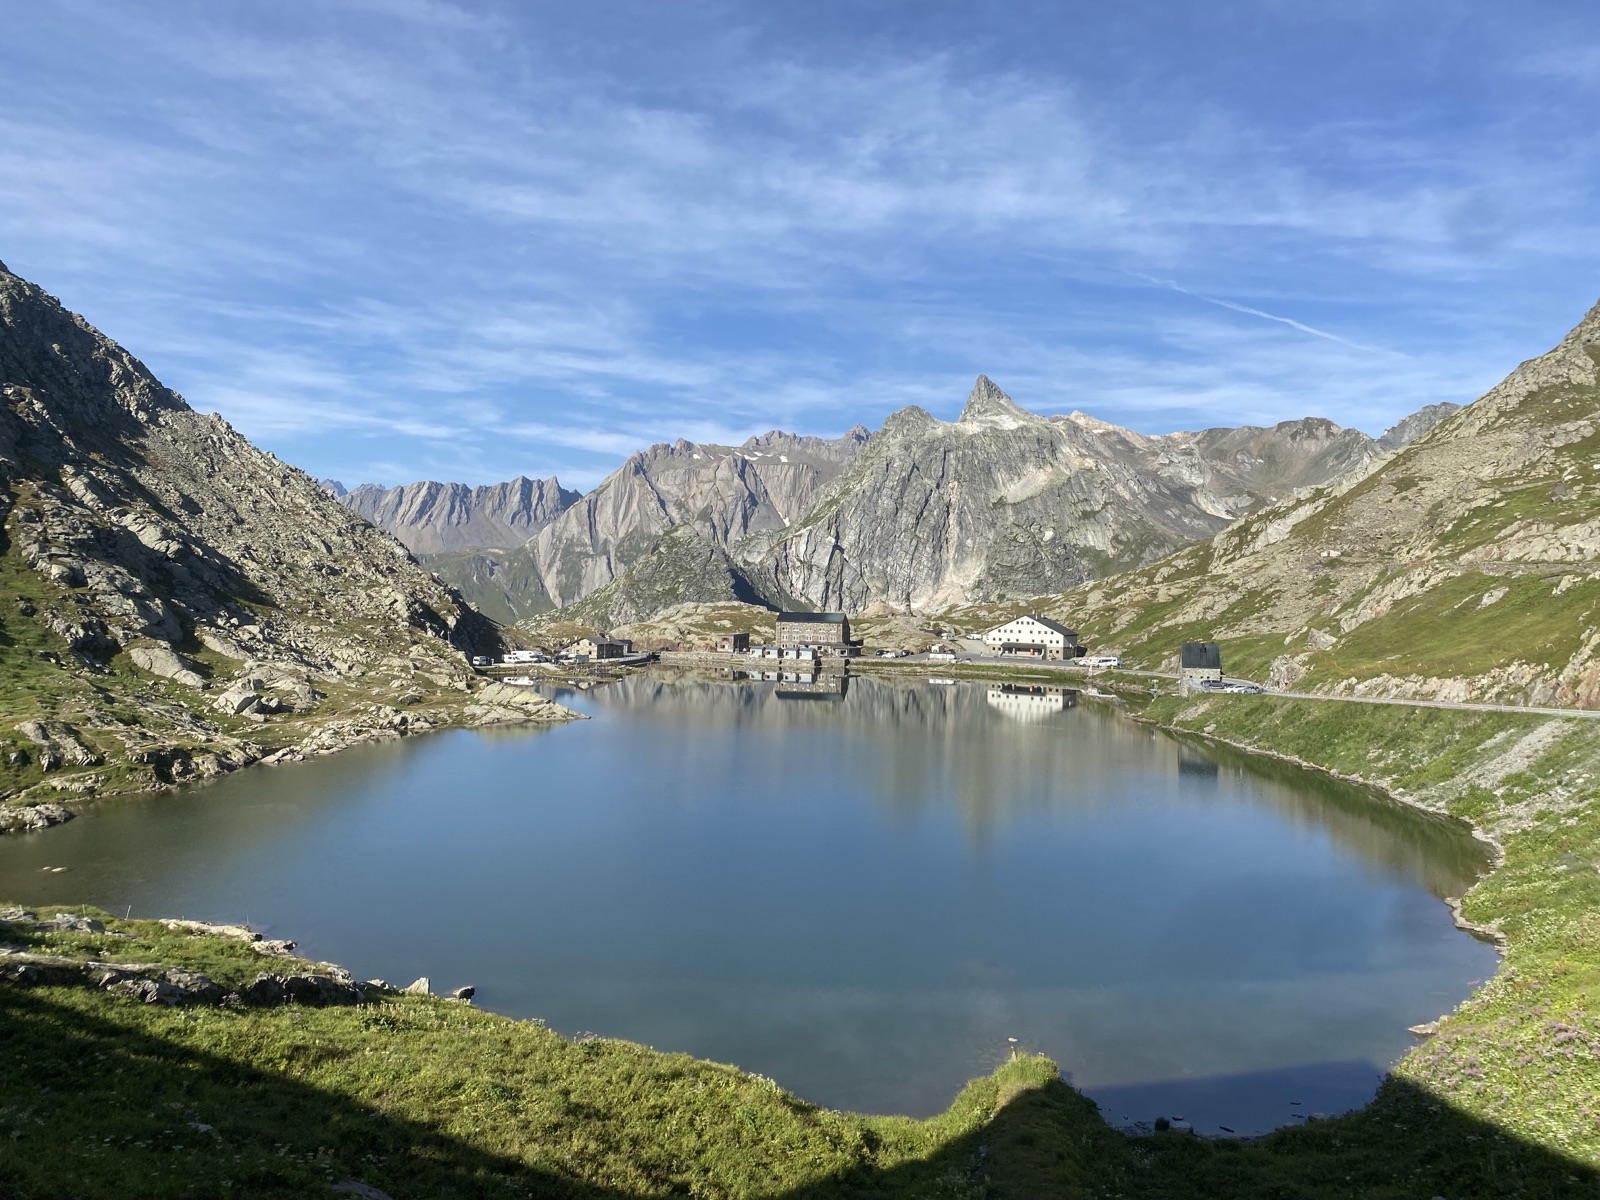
(863, 896)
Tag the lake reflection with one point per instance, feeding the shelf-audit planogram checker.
(861, 891)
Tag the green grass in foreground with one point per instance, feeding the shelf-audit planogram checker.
(101, 1096)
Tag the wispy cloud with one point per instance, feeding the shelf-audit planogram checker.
(1265, 316)
(423, 232)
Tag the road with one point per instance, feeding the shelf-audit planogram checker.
(1075, 669)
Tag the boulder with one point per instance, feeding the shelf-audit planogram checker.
(156, 985)
(464, 993)
(168, 664)
(72, 923)
(313, 988)
(220, 643)
(29, 970)
(18, 817)
(420, 987)
(239, 699)
(58, 743)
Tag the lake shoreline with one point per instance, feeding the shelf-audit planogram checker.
(497, 704)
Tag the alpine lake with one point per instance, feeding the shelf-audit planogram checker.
(864, 888)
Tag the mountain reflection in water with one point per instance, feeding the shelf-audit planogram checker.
(859, 887)
(961, 743)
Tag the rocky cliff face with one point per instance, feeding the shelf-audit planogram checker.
(175, 601)
(727, 493)
(1465, 566)
(1004, 502)
(433, 517)
(685, 566)
(920, 516)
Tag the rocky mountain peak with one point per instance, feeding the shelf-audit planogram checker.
(988, 405)
(912, 419)
(1404, 432)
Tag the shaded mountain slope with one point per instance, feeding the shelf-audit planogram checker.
(169, 588)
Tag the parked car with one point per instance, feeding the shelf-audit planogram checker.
(482, 660)
(1244, 687)
(1102, 660)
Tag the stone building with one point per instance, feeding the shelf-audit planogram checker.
(827, 632)
(597, 647)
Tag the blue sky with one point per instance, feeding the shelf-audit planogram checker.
(402, 239)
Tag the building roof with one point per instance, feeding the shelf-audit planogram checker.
(812, 618)
(1045, 621)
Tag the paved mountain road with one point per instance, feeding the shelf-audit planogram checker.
(1086, 672)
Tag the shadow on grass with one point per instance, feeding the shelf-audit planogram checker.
(1051, 1142)
(91, 1108)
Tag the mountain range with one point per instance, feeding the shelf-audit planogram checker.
(178, 602)
(1466, 566)
(919, 516)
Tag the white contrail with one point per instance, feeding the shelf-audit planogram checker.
(1265, 316)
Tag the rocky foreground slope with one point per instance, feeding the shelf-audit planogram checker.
(1464, 567)
(175, 602)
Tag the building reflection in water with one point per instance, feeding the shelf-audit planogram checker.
(1028, 702)
(795, 684)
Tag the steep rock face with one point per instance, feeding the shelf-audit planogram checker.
(1404, 432)
(136, 529)
(686, 563)
(433, 517)
(1003, 502)
(1464, 566)
(728, 493)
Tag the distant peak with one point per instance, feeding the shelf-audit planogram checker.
(332, 486)
(987, 404)
(912, 418)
